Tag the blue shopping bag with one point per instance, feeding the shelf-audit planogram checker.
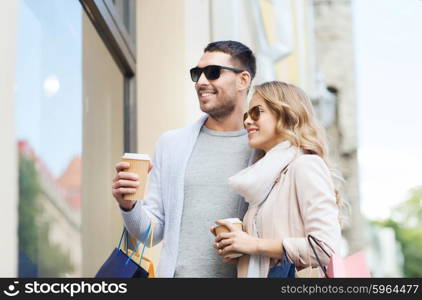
(120, 265)
(284, 269)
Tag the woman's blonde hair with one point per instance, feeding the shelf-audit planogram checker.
(296, 120)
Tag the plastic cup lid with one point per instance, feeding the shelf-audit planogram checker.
(233, 220)
(136, 156)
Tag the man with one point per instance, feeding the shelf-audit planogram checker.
(188, 188)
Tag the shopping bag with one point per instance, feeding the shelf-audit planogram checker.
(120, 264)
(284, 269)
(352, 266)
(349, 267)
(145, 263)
(309, 272)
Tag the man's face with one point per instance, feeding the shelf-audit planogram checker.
(217, 97)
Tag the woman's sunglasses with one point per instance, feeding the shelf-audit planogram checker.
(211, 72)
(254, 113)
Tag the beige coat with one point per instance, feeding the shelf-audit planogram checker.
(303, 202)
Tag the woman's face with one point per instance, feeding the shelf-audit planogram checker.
(262, 132)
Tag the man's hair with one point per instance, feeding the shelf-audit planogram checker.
(238, 51)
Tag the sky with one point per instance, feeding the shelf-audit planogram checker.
(49, 80)
(388, 61)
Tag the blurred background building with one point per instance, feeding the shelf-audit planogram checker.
(84, 81)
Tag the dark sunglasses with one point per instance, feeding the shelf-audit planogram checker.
(211, 72)
(254, 113)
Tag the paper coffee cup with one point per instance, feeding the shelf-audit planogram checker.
(138, 163)
(221, 229)
(235, 221)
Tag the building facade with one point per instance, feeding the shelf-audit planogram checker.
(108, 88)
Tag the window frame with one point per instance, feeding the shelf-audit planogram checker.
(107, 20)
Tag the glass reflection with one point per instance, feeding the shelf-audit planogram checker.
(49, 133)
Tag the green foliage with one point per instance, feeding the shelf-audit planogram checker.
(29, 209)
(54, 260)
(33, 231)
(406, 221)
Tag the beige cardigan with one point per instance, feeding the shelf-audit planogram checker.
(303, 202)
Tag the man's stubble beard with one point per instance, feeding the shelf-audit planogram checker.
(221, 110)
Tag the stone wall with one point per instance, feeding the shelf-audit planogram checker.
(335, 63)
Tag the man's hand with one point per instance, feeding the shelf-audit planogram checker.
(125, 183)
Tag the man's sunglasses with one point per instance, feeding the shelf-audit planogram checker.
(211, 72)
(254, 113)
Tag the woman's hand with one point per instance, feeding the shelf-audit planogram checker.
(230, 260)
(235, 241)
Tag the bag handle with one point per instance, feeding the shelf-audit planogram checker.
(145, 243)
(152, 234)
(142, 240)
(310, 237)
(151, 243)
(121, 238)
(124, 234)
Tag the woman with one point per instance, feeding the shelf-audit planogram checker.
(289, 190)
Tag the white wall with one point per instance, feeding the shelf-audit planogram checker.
(8, 152)
(171, 36)
(197, 36)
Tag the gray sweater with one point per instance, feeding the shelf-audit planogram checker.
(217, 155)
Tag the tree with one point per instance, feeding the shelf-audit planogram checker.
(406, 221)
(49, 258)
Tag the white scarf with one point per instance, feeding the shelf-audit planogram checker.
(254, 184)
(256, 181)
